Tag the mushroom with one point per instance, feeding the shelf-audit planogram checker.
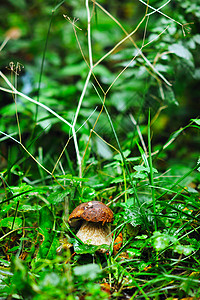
(96, 220)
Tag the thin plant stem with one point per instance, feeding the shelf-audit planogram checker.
(30, 99)
(83, 92)
(158, 9)
(151, 173)
(133, 42)
(16, 112)
(4, 42)
(89, 34)
(42, 65)
(119, 43)
(179, 180)
(139, 133)
(105, 141)
(160, 12)
(127, 170)
(77, 151)
(44, 54)
(81, 99)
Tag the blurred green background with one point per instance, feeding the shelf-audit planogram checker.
(44, 53)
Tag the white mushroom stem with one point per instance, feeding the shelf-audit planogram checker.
(95, 233)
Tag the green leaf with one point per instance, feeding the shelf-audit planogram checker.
(132, 214)
(89, 271)
(4, 262)
(141, 237)
(197, 121)
(196, 38)
(85, 248)
(198, 162)
(184, 249)
(46, 219)
(169, 96)
(21, 189)
(13, 249)
(133, 252)
(143, 171)
(125, 153)
(7, 222)
(161, 241)
(180, 51)
(103, 149)
(57, 196)
(88, 193)
(46, 223)
(27, 207)
(73, 178)
(74, 69)
(141, 168)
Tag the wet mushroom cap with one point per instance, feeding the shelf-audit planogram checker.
(92, 211)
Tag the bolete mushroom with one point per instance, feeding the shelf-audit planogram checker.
(96, 220)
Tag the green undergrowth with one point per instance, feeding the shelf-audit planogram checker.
(159, 220)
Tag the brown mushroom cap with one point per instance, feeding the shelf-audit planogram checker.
(92, 211)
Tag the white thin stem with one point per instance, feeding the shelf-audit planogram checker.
(87, 119)
(156, 37)
(16, 112)
(77, 151)
(30, 99)
(4, 43)
(10, 137)
(139, 133)
(91, 67)
(74, 123)
(158, 9)
(70, 137)
(89, 33)
(81, 98)
(160, 12)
